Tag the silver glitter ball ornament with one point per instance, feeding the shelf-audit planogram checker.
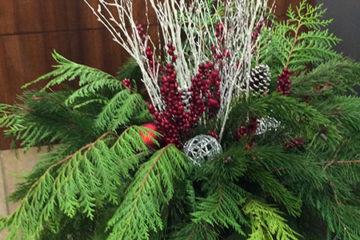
(267, 124)
(202, 148)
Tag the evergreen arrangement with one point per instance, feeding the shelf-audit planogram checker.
(249, 128)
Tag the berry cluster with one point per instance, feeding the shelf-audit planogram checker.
(327, 84)
(175, 121)
(149, 53)
(141, 32)
(213, 134)
(249, 129)
(256, 33)
(205, 85)
(298, 142)
(150, 58)
(220, 52)
(220, 32)
(127, 83)
(284, 82)
(171, 52)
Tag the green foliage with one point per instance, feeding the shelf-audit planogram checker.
(278, 192)
(220, 207)
(73, 117)
(123, 109)
(92, 82)
(44, 119)
(77, 184)
(195, 231)
(288, 45)
(267, 224)
(101, 181)
(152, 187)
(344, 77)
(297, 118)
(130, 70)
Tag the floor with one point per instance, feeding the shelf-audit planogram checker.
(14, 163)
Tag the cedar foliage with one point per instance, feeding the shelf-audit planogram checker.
(102, 181)
(288, 45)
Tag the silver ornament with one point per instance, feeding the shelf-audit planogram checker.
(202, 147)
(267, 124)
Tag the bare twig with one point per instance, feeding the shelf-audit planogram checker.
(334, 157)
(185, 26)
(347, 162)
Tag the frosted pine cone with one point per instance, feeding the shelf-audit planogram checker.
(259, 80)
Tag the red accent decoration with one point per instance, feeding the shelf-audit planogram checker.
(213, 134)
(174, 123)
(256, 33)
(127, 83)
(298, 142)
(284, 82)
(249, 129)
(327, 84)
(148, 136)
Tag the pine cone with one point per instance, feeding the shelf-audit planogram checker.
(259, 80)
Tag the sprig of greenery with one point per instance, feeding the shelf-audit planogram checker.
(287, 45)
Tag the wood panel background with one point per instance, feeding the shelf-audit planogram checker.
(31, 29)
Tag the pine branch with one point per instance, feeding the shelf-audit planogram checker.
(348, 162)
(335, 157)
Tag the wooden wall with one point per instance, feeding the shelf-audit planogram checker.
(31, 29)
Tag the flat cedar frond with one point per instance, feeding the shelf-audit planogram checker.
(91, 80)
(220, 207)
(43, 119)
(266, 223)
(69, 71)
(153, 186)
(287, 45)
(77, 183)
(121, 110)
(195, 231)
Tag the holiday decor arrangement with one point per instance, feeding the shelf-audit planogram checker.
(249, 128)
